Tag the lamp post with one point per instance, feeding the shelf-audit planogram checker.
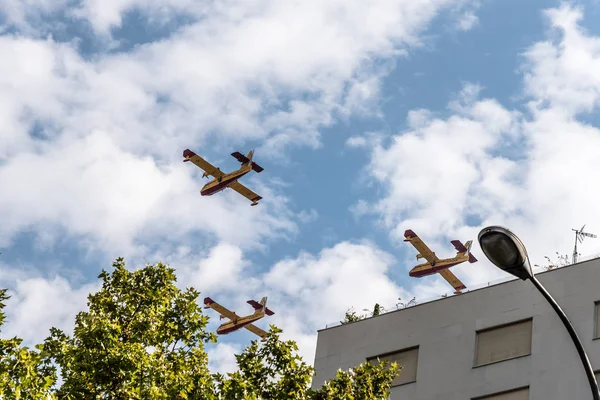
(506, 251)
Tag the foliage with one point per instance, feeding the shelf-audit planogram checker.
(400, 304)
(273, 371)
(561, 261)
(376, 309)
(351, 316)
(268, 371)
(143, 338)
(367, 381)
(23, 373)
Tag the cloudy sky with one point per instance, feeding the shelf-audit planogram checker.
(442, 116)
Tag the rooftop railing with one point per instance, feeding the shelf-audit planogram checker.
(402, 305)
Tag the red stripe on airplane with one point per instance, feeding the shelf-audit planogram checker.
(431, 271)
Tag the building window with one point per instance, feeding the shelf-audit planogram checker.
(515, 394)
(597, 333)
(407, 359)
(503, 342)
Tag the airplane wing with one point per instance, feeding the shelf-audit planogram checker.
(421, 247)
(452, 279)
(256, 330)
(244, 191)
(202, 163)
(219, 308)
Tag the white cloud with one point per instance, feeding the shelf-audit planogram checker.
(443, 171)
(308, 216)
(221, 358)
(110, 127)
(534, 172)
(115, 200)
(431, 170)
(467, 21)
(356, 141)
(418, 118)
(565, 73)
(220, 270)
(38, 304)
(27, 15)
(308, 292)
(31, 87)
(106, 164)
(440, 173)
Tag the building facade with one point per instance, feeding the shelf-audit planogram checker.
(502, 342)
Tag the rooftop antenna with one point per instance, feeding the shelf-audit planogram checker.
(579, 235)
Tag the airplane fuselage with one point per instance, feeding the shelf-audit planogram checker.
(217, 185)
(428, 269)
(238, 323)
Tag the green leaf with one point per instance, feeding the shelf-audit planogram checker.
(143, 338)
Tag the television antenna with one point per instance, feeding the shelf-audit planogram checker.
(579, 235)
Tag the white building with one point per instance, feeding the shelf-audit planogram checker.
(500, 342)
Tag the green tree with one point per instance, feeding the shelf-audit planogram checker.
(268, 371)
(351, 316)
(366, 381)
(274, 371)
(23, 372)
(376, 309)
(143, 338)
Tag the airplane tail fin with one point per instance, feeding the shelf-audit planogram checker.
(263, 303)
(468, 245)
(247, 160)
(260, 307)
(255, 167)
(249, 156)
(464, 249)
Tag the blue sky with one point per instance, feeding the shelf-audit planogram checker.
(440, 116)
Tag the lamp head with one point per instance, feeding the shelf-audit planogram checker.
(505, 250)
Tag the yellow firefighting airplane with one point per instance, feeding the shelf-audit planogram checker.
(440, 266)
(222, 180)
(235, 321)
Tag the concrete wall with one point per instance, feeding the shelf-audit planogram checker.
(445, 330)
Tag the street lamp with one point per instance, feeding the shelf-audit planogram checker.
(505, 250)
